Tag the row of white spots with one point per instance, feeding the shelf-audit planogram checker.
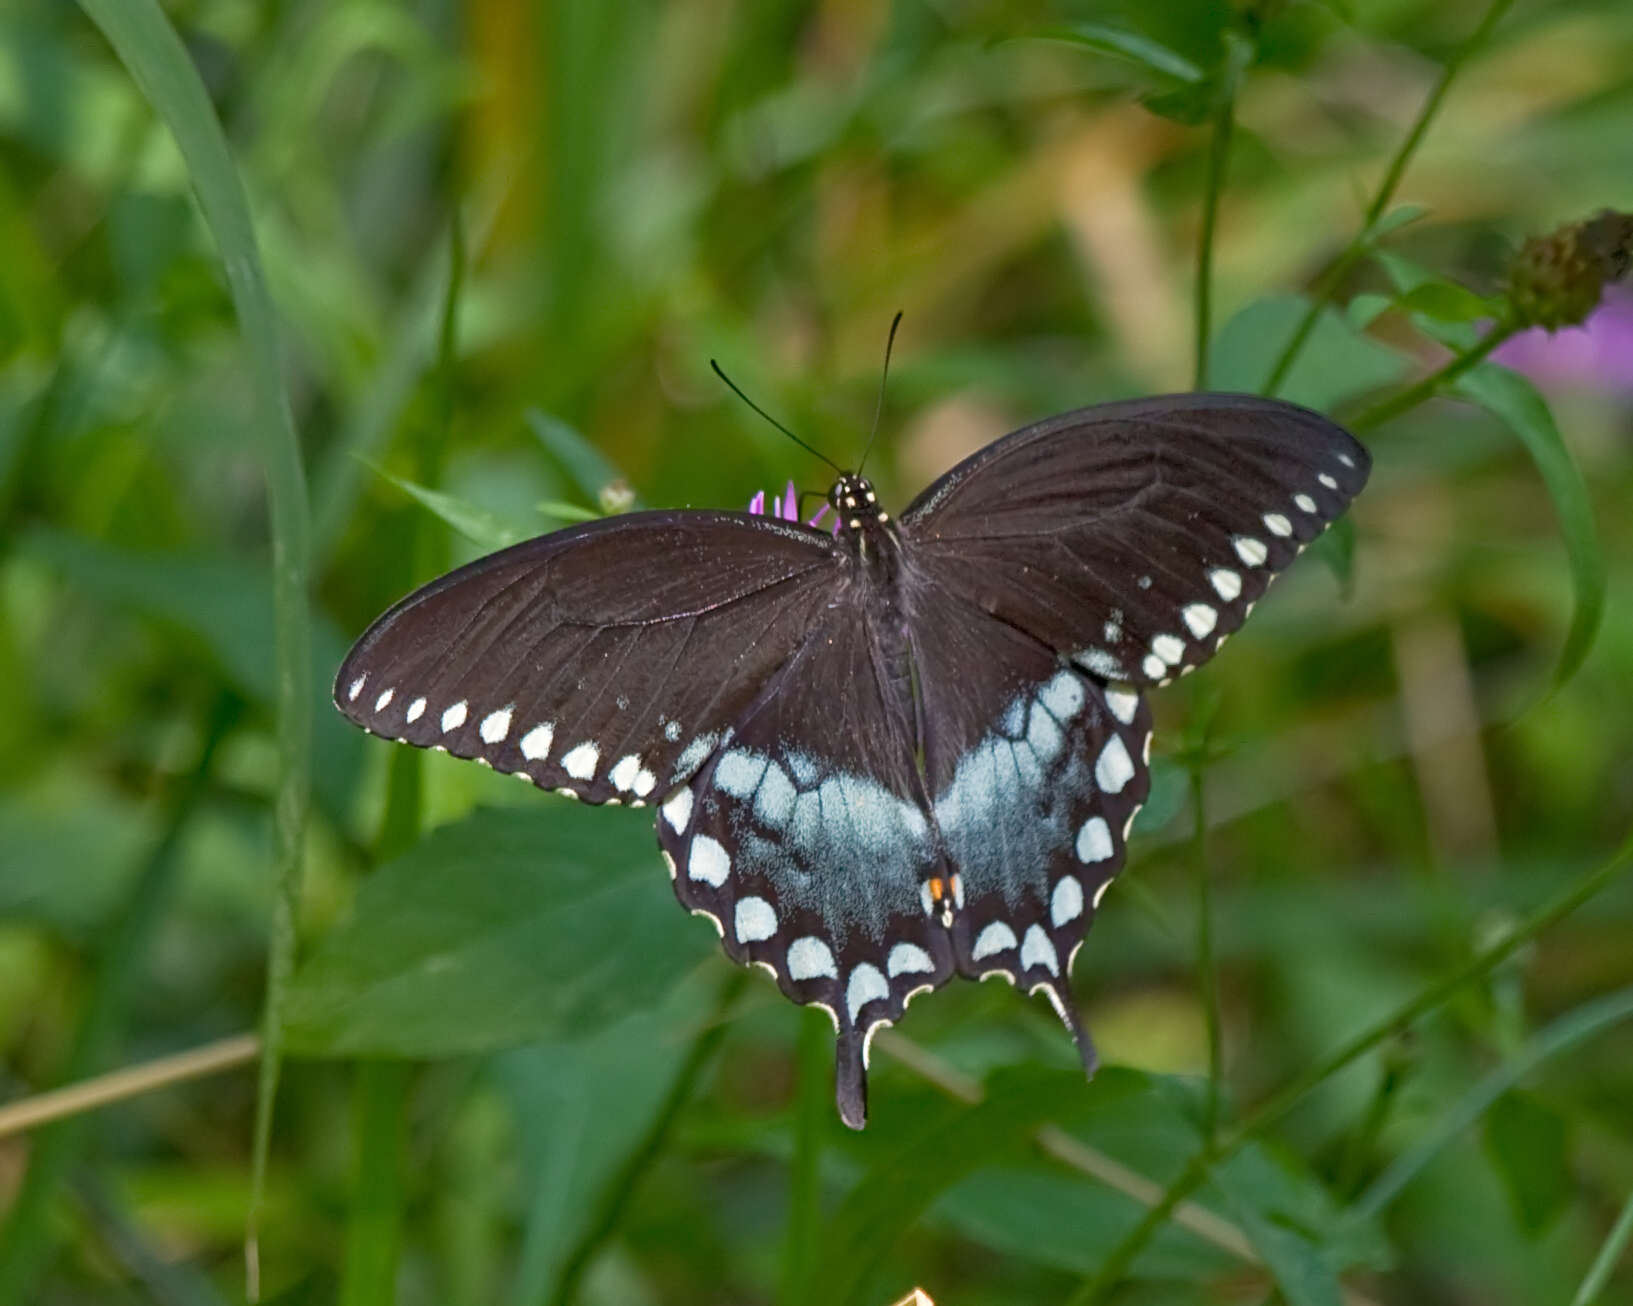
(629, 776)
(1036, 950)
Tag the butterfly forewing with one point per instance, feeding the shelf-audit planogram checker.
(607, 660)
(1134, 537)
(805, 836)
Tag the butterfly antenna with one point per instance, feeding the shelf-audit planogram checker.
(879, 408)
(768, 417)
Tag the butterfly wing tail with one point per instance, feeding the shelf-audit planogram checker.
(851, 1078)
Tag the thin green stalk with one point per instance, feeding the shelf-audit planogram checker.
(1361, 242)
(1273, 1109)
(27, 1240)
(620, 1190)
(1207, 976)
(158, 62)
(1218, 158)
(1605, 1262)
(1435, 382)
(1570, 1029)
(374, 1222)
(811, 1111)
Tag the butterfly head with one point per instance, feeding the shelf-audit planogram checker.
(856, 505)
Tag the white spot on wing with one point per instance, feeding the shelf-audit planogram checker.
(356, 688)
(1062, 696)
(754, 920)
(454, 717)
(536, 742)
(1250, 550)
(709, 861)
(384, 699)
(671, 732)
(416, 710)
(1170, 648)
(1346, 460)
(1226, 583)
(1100, 663)
(644, 782)
(809, 958)
(995, 938)
(495, 726)
(1094, 840)
(678, 810)
(1066, 903)
(1115, 768)
(1123, 701)
(1200, 618)
(1154, 667)
(580, 761)
(866, 985)
(1305, 503)
(1038, 950)
(1328, 481)
(623, 772)
(1276, 524)
(909, 959)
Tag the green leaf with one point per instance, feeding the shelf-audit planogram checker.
(504, 928)
(590, 470)
(1335, 546)
(903, 1184)
(1399, 216)
(1445, 301)
(1169, 788)
(580, 1105)
(481, 527)
(1106, 39)
(1365, 309)
(1338, 362)
(1516, 401)
(1528, 1143)
(1298, 1263)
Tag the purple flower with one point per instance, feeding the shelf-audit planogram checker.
(1598, 355)
(786, 507)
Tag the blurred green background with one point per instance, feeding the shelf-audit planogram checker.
(502, 239)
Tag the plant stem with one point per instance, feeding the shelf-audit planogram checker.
(620, 1190)
(1605, 1262)
(1207, 977)
(1273, 1109)
(374, 1222)
(1436, 381)
(1361, 242)
(1218, 158)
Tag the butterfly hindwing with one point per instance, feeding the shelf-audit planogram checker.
(805, 838)
(1037, 771)
(1135, 537)
(606, 660)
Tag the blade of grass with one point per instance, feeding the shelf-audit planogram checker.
(27, 1241)
(1563, 1034)
(1277, 1106)
(1352, 253)
(1207, 976)
(152, 52)
(1605, 1262)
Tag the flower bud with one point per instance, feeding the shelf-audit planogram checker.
(1557, 280)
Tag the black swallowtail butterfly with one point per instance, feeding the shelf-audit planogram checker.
(894, 751)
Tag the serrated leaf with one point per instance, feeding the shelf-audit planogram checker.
(481, 527)
(505, 928)
(1528, 1144)
(1517, 402)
